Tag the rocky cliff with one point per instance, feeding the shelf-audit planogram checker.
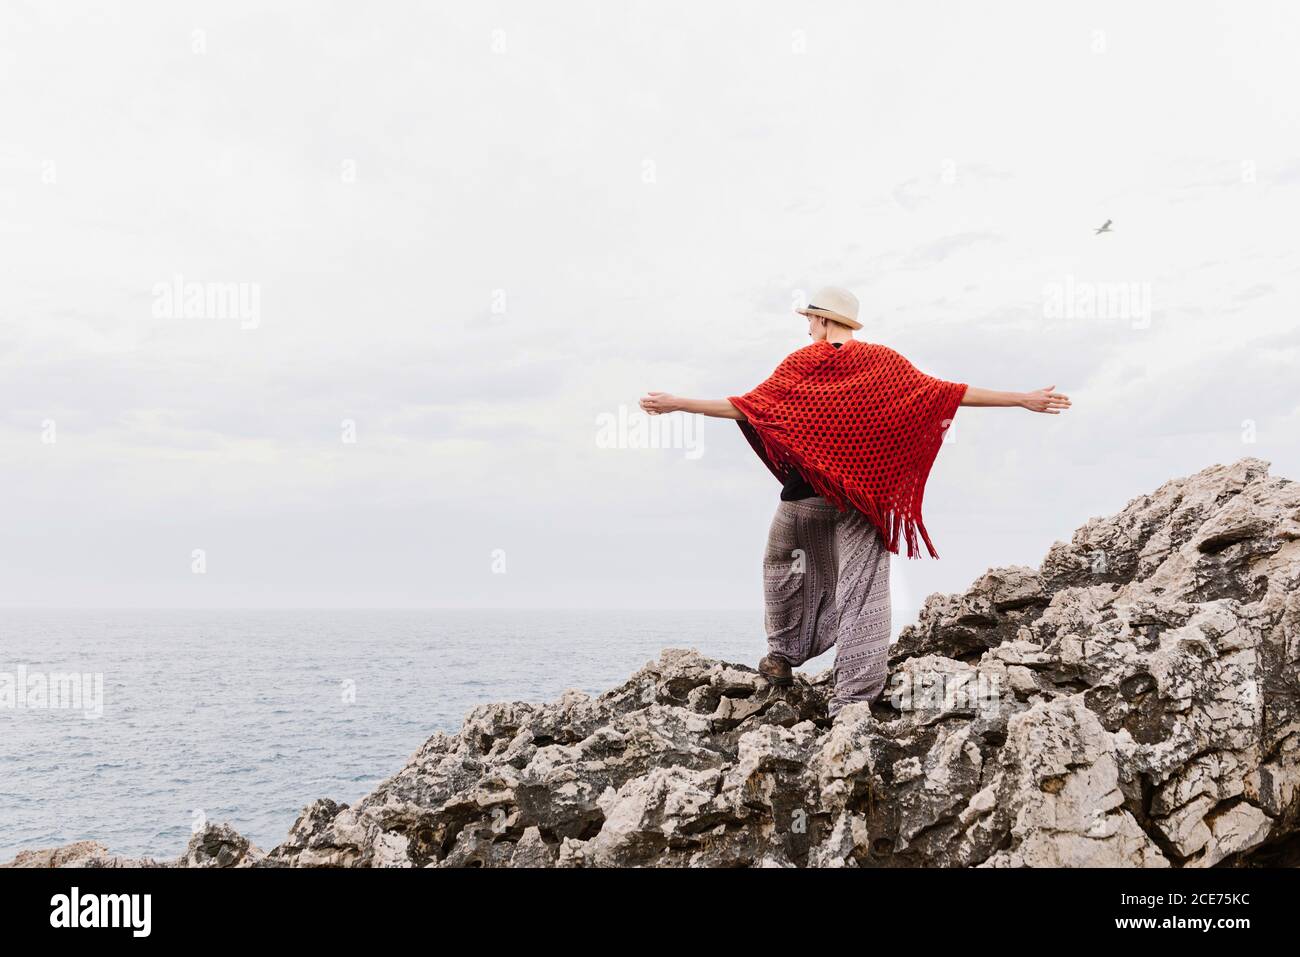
(1131, 702)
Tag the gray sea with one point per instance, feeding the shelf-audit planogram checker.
(246, 716)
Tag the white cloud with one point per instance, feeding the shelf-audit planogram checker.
(472, 254)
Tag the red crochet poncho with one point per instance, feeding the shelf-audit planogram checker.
(861, 423)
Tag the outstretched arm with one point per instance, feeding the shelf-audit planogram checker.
(656, 402)
(1040, 400)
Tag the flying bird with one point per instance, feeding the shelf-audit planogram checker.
(1104, 228)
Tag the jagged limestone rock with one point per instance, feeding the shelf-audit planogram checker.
(1134, 701)
(77, 854)
(219, 845)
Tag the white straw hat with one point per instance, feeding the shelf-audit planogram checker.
(832, 302)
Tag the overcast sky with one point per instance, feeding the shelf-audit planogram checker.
(475, 232)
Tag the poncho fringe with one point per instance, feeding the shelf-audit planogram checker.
(861, 424)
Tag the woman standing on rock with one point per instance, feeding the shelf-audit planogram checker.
(851, 430)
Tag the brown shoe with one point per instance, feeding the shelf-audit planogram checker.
(776, 670)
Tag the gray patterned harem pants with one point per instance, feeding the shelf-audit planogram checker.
(826, 582)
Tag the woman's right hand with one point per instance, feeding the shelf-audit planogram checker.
(657, 402)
